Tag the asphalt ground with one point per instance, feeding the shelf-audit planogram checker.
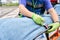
(7, 10)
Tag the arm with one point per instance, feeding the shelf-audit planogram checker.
(23, 10)
(36, 18)
(53, 14)
(50, 9)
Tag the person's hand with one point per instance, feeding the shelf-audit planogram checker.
(37, 19)
(53, 27)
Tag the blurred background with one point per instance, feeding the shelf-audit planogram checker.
(9, 8)
(9, 2)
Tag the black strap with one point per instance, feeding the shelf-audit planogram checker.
(47, 35)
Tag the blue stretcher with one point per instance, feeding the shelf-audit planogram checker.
(19, 29)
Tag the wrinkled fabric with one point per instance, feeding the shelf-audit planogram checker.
(20, 29)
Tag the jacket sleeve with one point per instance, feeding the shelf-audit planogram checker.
(47, 4)
(22, 2)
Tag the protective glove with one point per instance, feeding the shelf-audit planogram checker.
(53, 27)
(37, 19)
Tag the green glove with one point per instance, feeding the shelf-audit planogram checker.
(53, 26)
(38, 19)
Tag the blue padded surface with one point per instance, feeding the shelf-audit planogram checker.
(18, 29)
(57, 8)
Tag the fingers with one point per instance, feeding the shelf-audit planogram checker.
(53, 28)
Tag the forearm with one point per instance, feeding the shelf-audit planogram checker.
(53, 14)
(25, 11)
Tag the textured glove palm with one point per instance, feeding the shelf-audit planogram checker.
(38, 19)
(53, 26)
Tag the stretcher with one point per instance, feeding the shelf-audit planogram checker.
(19, 29)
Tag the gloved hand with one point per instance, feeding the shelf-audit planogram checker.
(53, 27)
(38, 19)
